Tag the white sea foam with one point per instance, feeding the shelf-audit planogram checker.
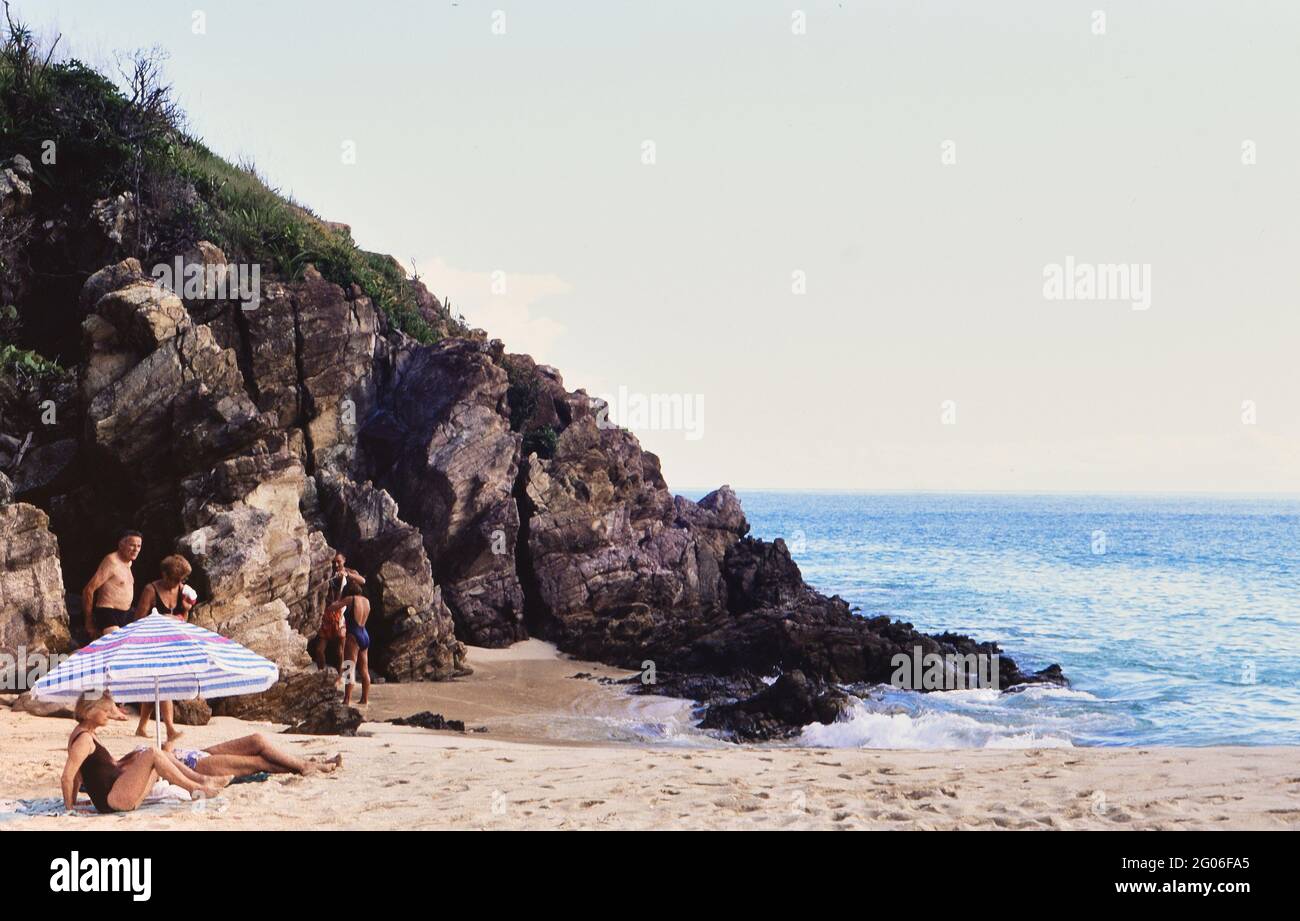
(867, 727)
(1040, 691)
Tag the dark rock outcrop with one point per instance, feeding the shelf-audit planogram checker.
(180, 408)
(311, 355)
(330, 720)
(778, 711)
(776, 624)
(33, 615)
(44, 464)
(260, 567)
(307, 700)
(611, 550)
(426, 719)
(192, 712)
(443, 447)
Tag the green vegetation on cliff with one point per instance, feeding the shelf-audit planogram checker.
(121, 157)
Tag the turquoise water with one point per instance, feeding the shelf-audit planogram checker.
(1177, 619)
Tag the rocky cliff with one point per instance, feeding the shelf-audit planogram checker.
(484, 501)
(260, 442)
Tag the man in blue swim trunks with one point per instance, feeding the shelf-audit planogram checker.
(355, 608)
(250, 755)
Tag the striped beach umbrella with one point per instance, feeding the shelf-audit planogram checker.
(159, 658)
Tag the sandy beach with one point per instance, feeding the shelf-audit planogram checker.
(547, 761)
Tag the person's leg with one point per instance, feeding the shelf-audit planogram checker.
(243, 765)
(134, 783)
(239, 765)
(146, 711)
(169, 716)
(349, 673)
(259, 746)
(172, 771)
(363, 665)
(141, 768)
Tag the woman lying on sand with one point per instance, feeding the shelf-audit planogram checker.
(250, 755)
(121, 786)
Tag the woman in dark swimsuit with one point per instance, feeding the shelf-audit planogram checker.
(120, 786)
(356, 611)
(166, 596)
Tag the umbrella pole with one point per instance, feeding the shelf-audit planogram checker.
(157, 716)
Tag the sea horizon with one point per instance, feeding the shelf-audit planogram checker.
(696, 492)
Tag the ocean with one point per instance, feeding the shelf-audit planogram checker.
(1176, 618)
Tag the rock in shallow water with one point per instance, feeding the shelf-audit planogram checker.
(778, 711)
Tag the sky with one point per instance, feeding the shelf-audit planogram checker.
(820, 233)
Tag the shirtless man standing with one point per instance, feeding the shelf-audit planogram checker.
(106, 599)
